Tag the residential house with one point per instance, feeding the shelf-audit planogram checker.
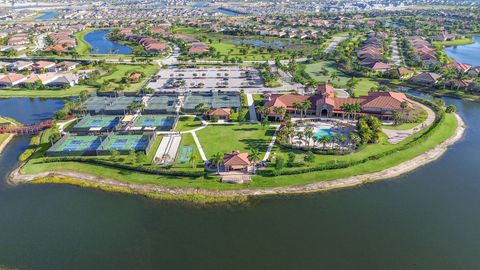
(427, 78)
(11, 79)
(67, 66)
(404, 73)
(44, 66)
(19, 66)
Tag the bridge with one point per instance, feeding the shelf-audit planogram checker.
(27, 129)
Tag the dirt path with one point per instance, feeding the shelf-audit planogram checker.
(17, 178)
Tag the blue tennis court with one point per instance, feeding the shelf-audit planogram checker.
(162, 122)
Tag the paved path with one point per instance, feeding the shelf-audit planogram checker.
(199, 146)
(251, 108)
(396, 136)
(61, 126)
(272, 143)
(334, 43)
(395, 54)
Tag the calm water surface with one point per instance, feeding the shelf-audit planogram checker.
(469, 54)
(427, 219)
(99, 44)
(48, 15)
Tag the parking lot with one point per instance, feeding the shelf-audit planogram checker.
(206, 79)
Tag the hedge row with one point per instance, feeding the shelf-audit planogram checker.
(319, 151)
(346, 164)
(143, 169)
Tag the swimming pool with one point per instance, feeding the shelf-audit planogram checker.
(322, 131)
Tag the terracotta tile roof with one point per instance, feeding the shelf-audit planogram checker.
(220, 112)
(12, 77)
(236, 159)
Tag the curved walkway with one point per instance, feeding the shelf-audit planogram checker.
(17, 178)
(396, 136)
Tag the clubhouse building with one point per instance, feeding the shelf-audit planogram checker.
(325, 104)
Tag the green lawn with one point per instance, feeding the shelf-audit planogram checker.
(315, 71)
(186, 123)
(457, 42)
(119, 71)
(421, 117)
(221, 44)
(72, 91)
(82, 45)
(228, 138)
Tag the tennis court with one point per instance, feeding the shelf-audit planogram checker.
(162, 122)
(185, 153)
(99, 121)
(75, 146)
(127, 143)
(212, 100)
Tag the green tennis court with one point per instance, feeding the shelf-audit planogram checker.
(185, 153)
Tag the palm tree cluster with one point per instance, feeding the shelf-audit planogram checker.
(351, 109)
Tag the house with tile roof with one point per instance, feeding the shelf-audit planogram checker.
(11, 79)
(236, 161)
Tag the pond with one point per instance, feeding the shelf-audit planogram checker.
(469, 54)
(48, 15)
(100, 44)
(228, 11)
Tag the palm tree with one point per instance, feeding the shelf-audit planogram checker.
(217, 159)
(298, 106)
(308, 134)
(254, 156)
(193, 160)
(306, 105)
(262, 111)
(280, 112)
(324, 140)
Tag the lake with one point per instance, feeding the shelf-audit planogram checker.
(48, 15)
(469, 54)
(228, 11)
(426, 219)
(99, 44)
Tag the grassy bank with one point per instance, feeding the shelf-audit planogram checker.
(190, 198)
(82, 45)
(457, 42)
(61, 93)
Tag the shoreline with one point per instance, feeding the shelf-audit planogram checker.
(16, 177)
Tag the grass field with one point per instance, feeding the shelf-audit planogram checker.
(72, 91)
(119, 71)
(227, 138)
(186, 123)
(82, 46)
(225, 48)
(315, 71)
(461, 41)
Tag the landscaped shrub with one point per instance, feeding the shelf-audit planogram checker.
(107, 163)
